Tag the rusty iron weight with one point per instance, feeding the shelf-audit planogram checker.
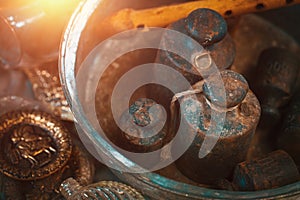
(273, 170)
(242, 114)
(209, 29)
(277, 71)
(147, 138)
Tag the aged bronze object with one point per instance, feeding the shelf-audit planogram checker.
(37, 154)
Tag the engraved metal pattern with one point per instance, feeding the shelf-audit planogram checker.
(80, 166)
(34, 145)
(104, 190)
(47, 89)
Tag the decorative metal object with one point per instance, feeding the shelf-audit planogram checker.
(36, 155)
(242, 111)
(104, 190)
(34, 145)
(47, 89)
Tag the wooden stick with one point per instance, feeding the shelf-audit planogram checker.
(162, 16)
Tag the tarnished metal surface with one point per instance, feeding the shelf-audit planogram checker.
(103, 190)
(47, 89)
(34, 145)
(37, 155)
(206, 26)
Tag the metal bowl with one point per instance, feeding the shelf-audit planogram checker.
(251, 34)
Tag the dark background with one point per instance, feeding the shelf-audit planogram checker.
(287, 18)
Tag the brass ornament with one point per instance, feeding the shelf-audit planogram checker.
(104, 190)
(47, 89)
(34, 145)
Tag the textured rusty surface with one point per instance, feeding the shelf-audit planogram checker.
(206, 26)
(235, 85)
(235, 135)
(274, 170)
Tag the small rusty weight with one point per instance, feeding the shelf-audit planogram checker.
(276, 77)
(141, 122)
(289, 136)
(103, 190)
(207, 28)
(274, 170)
(277, 71)
(242, 114)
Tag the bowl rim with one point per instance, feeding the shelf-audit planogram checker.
(67, 65)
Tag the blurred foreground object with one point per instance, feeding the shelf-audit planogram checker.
(47, 89)
(30, 33)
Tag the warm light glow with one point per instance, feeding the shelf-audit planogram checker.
(58, 5)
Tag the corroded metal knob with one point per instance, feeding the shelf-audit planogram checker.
(206, 26)
(144, 125)
(209, 30)
(274, 170)
(241, 114)
(104, 190)
(235, 88)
